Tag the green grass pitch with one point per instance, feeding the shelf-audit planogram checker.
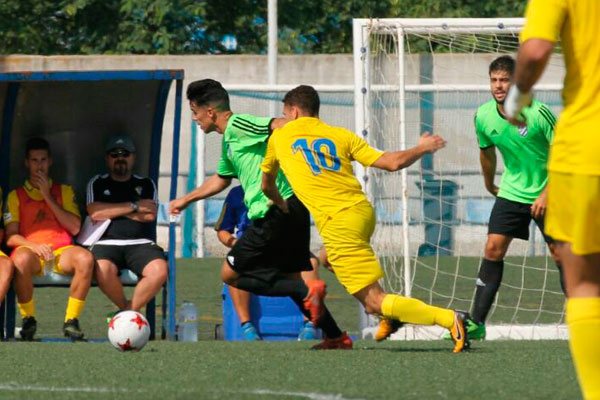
(213, 369)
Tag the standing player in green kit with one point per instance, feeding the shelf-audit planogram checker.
(522, 192)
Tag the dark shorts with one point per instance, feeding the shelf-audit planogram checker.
(134, 257)
(273, 245)
(511, 218)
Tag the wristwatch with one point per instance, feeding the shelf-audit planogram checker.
(134, 206)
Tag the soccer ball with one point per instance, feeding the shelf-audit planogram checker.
(128, 331)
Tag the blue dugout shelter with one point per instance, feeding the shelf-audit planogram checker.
(76, 112)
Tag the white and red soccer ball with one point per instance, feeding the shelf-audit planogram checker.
(128, 331)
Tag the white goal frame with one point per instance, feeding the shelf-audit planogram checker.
(362, 28)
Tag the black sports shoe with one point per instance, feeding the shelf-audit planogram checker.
(71, 329)
(28, 328)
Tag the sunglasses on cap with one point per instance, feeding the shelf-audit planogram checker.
(119, 153)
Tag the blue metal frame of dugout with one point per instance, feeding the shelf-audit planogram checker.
(73, 106)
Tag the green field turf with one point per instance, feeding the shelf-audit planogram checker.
(288, 370)
(213, 369)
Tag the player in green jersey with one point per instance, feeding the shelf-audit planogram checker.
(521, 196)
(269, 257)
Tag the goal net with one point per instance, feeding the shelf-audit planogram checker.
(416, 75)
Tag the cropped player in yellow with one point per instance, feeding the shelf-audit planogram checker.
(573, 216)
(316, 159)
(7, 268)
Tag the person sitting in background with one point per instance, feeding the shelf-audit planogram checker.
(230, 226)
(41, 220)
(7, 268)
(130, 202)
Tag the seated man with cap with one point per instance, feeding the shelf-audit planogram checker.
(130, 202)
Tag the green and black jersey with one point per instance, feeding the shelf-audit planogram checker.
(525, 150)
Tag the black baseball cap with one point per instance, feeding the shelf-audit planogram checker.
(118, 142)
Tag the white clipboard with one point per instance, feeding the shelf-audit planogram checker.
(91, 231)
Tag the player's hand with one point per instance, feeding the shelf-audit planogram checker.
(42, 183)
(514, 103)
(431, 143)
(283, 206)
(177, 206)
(538, 208)
(493, 190)
(147, 206)
(43, 251)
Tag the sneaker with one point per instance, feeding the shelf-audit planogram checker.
(341, 343)
(28, 328)
(475, 331)
(386, 328)
(308, 331)
(459, 332)
(249, 332)
(71, 329)
(314, 300)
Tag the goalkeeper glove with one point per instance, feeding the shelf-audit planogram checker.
(515, 101)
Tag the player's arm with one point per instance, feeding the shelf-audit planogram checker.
(278, 123)
(270, 169)
(213, 185)
(544, 21)
(67, 219)
(14, 240)
(487, 158)
(225, 225)
(395, 160)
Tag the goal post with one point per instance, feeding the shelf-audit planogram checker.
(413, 75)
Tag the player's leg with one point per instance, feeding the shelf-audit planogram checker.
(552, 247)
(79, 262)
(27, 265)
(489, 280)
(7, 270)
(309, 331)
(573, 219)
(149, 263)
(241, 304)
(107, 273)
(414, 311)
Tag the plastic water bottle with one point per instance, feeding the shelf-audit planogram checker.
(49, 266)
(188, 322)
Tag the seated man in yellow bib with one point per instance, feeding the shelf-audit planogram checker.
(316, 159)
(7, 267)
(41, 220)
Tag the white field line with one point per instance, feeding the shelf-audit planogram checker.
(311, 396)
(86, 389)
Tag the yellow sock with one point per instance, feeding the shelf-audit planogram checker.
(27, 309)
(583, 319)
(74, 308)
(414, 311)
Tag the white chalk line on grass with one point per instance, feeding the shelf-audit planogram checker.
(88, 389)
(311, 396)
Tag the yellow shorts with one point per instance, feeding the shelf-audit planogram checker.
(57, 253)
(347, 239)
(573, 212)
(2, 254)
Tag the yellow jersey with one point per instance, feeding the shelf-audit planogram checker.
(577, 23)
(317, 160)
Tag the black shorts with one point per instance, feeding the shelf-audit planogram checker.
(511, 218)
(134, 257)
(273, 245)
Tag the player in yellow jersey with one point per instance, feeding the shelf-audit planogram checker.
(7, 268)
(316, 159)
(572, 215)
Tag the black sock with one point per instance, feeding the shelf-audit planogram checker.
(561, 276)
(282, 287)
(488, 282)
(326, 321)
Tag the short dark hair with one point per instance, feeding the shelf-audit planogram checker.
(36, 143)
(208, 92)
(503, 63)
(304, 97)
